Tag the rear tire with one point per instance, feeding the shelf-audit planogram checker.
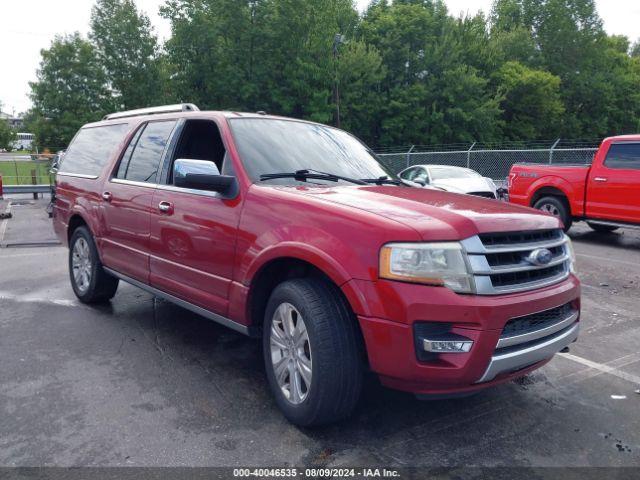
(89, 281)
(602, 228)
(327, 365)
(556, 207)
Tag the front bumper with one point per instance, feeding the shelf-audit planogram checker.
(393, 308)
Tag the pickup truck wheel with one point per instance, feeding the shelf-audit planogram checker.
(557, 208)
(311, 352)
(602, 228)
(89, 281)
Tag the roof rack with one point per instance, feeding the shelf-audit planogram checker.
(179, 107)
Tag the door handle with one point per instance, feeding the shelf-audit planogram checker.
(165, 207)
(599, 179)
(106, 196)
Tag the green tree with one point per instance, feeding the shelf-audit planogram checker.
(213, 52)
(434, 90)
(531, 102)
(7, 136)
(128, 51)
(595, 70)
(70, 90)
(360, 73)
(273, 55)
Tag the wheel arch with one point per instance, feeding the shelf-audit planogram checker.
(76, 220)
(280, 269)
(549, 191)
(556, 187)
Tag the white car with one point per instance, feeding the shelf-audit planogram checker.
(451, 179)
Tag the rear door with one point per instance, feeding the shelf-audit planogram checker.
(127, 199)
(193, 232)
(613, 189)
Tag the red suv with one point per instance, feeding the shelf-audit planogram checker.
(293, 231)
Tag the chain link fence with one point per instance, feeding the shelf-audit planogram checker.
(493, 161)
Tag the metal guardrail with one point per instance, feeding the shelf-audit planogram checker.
(26, 188)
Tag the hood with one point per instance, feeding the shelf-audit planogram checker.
(465, 185)
(434, 214)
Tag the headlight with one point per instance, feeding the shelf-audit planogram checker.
(442, 264)
(572, 254)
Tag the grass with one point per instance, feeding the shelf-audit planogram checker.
(19, 172)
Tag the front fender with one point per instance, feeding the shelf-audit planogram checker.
(307, 253)
(336, 259)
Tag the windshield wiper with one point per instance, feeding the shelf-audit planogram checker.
(382, 181)
(303, 175)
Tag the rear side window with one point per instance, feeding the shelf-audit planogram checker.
(142, 158)
(92, 148)
(623, 156)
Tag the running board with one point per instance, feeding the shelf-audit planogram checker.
(227, 322)
(609, 223)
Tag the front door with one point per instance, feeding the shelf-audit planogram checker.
(127, 202)
(613, 186)
(193, 233)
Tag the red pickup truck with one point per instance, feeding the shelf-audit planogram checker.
(606, 194)
(293, 232)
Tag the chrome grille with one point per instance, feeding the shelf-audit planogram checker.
(500, 263)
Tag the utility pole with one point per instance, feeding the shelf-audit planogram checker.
(337, 40)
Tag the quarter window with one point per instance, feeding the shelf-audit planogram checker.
(623, 156)
(92, 148)
(142, 164)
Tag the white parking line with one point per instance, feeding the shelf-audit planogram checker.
(30, 299)
(624, 262)
(36, 254)
(603, 368)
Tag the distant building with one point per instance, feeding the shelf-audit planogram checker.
(15, 122)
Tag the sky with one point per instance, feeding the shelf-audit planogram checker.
(27, 26)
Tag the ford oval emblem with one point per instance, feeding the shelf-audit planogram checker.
(540, 256)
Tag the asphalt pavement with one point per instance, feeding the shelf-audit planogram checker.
(141, 382)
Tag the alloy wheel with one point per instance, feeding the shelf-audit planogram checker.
(81, 265)
(291, 353)
(549, 208)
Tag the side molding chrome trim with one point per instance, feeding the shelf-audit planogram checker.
(76, 175)
(133, 183)
(250, 331)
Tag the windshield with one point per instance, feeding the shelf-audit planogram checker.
(279, 146)
(445, 173)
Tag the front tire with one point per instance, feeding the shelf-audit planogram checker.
(89, 281)
(556, 207)
(602, 228)
(312, 352)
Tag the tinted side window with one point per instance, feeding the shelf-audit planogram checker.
(408, 174)
(421, 176)
(145, 160)
(126, 158)
(92, 148)
(624, 156)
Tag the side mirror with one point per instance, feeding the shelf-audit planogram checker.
(203, 175)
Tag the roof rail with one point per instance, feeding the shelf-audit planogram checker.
(179, 107)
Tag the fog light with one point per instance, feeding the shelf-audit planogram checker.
(453, 345)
